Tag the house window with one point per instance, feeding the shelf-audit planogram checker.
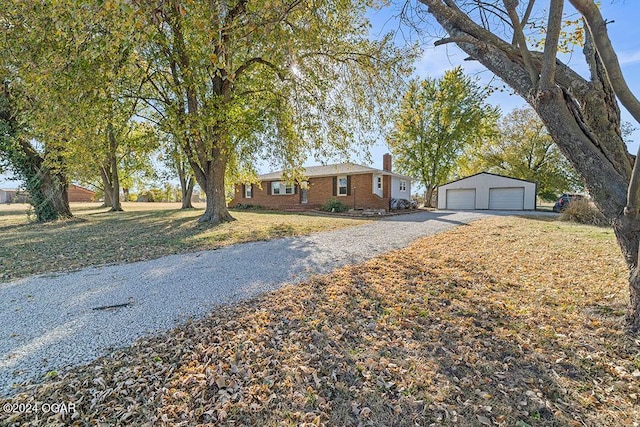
(403, 185)
(281, 188)
(248, 191)
(342, 186)
(379, 182)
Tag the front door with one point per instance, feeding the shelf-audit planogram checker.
(304, 196)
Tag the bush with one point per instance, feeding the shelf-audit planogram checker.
(397, 204)
(334, 205)
(584, 212)
(248, 207)
(146, 196)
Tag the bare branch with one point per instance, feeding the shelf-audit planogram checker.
(518, 35)
(485, 8)
(527, 14)
(554, 25)
(457, 39)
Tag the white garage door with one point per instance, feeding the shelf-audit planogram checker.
(506, 198)
(461, 198)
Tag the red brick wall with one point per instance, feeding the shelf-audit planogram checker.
(79, 194)
(261, 198)
(320, 191)
(365, 198)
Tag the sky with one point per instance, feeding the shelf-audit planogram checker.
(624, 32)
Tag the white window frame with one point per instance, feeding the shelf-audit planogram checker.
(283, 189)
(248, 191)
(403, 185)
(289, 189)
(345, 186)
(379, 182)
(275, 188)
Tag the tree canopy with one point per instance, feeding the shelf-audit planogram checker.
(524, 149)
(437, 121)
(238, 81)
(233, 82)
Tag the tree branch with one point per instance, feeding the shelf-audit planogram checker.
(598, 30)
(244, 67)
(527, 13)
(457, 39)
(554, 25)
(518, 35)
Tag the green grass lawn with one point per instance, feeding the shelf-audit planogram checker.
(144, 231)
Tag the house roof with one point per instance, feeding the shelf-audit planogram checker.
(332, 170)
(487, 173)
(80, 187)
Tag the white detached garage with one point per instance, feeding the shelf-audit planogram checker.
(488, 191)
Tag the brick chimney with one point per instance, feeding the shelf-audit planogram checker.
(386, 162)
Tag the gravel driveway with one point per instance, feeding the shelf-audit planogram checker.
(53, 322)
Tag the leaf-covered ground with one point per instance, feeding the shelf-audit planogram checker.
(96, 236)
(507, 322)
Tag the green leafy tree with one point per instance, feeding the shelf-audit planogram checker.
(437, 121)
(71, 62)
(92, 161)
(524, 149)
(34, 48)
(105, 77)
(178, 166)
(42, 173)
(237, 81)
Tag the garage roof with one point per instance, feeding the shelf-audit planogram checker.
(487, 173)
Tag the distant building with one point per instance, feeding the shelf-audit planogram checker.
(12, 195)
(7, 195)
(80, 194)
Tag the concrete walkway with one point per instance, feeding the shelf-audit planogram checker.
(53, 322)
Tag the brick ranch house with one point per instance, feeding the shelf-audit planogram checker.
(366, 187)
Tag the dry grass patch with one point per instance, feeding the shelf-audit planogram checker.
(96, 236)
(507, 321)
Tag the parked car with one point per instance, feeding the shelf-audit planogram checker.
(563, 201)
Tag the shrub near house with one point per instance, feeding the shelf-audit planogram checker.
(354, 185)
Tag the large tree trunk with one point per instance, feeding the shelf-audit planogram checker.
(428, 196)
(47, 188)
(582, 117)
(187, 182)
(186, 187)
(113, 165)
(627, 231)
(50, 201)
(106, 185)
(211, 180)
(633, 313)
